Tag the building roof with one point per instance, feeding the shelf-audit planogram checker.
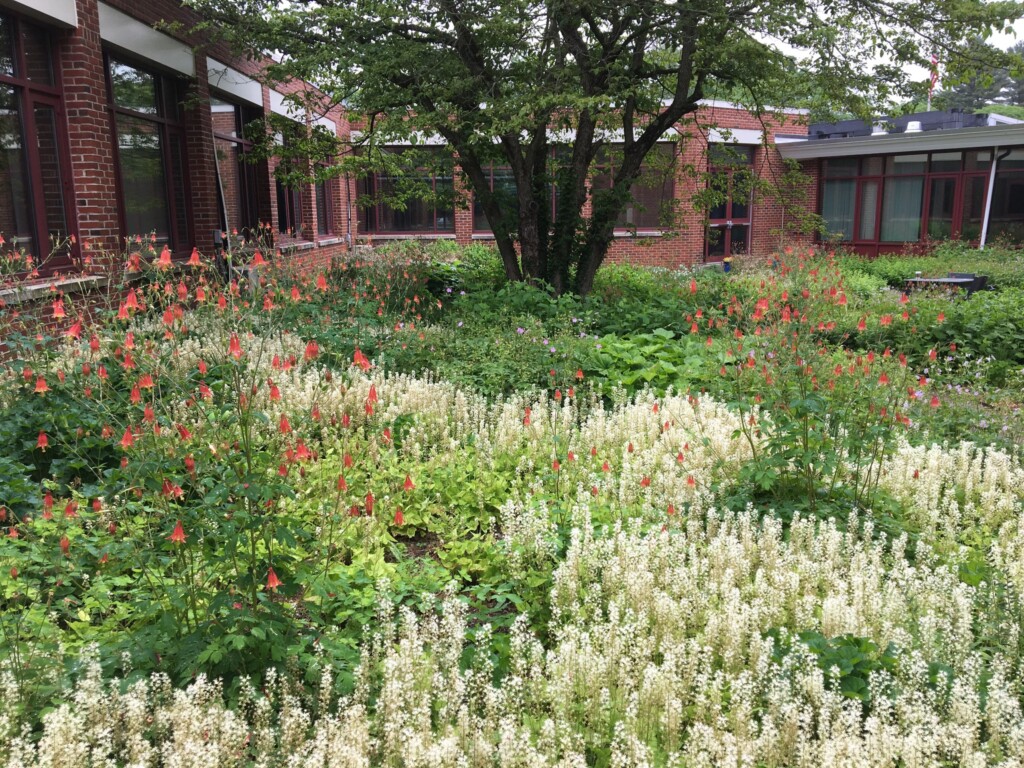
(922, 132)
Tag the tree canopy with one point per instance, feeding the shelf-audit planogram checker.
(544, 87)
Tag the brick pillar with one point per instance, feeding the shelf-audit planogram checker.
(202, 175)
(93, 173)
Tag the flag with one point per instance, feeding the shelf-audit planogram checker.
(934, 75)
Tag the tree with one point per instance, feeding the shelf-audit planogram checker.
(543, 86)
(984, 78)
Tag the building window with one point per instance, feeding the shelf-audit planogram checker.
(728, 231)
(1007, 219)
(289, 209)
(905, 198)
(150, 146)
(33, 162)
(650, 196)
(419, 200)
(322, 195)
(238, 184)
(503, 185)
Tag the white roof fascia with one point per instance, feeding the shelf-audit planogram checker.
(735, 136)
(62, 12)
(122, 31)
(926, 141)
(231, 81)
(279, 106)
(722, 104)
(994, 119)
(326, 122)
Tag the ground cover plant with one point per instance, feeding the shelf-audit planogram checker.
(395, 514)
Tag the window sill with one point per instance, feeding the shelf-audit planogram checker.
(46, 287)
(628, 233)
(409, 236)
(329, 241)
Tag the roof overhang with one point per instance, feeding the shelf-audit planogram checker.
(925, 141)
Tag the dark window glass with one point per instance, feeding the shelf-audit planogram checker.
(238, 186)
(150, 144)
(15, 221)
(38, 57)
(323, 208)
(1007, 219)
(901, 210)
(941, 199)
(6, 46)
(289, 210)
(976, 160)
(50, 175)
(503, 185)
(418, 201)
(868, 210)
(837, 207)
(945, 162)
(872, 166)
(143, 182)
(840, 167)
(1014, 160)
(33, 214)
(133, 88)
(904, 165)
(972, 207)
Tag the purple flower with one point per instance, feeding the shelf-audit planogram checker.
(520, 331)
(458, 324)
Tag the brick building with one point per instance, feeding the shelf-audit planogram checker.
(112, 126)
(115, 122)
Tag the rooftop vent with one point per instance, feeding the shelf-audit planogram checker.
(914, 126)
(878, 129)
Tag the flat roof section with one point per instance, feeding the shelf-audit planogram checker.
(1005, 135)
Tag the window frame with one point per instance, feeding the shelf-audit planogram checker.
(728, 222)
(168, 129)
(602, 170)
(29, 95)
(369, 216)
(250, 198)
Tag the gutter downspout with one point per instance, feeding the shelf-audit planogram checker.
(996, 157)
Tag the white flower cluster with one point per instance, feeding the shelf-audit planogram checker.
(659, 640)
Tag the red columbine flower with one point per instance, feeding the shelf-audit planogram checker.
(146, 381)
(342, 485)
(58, 309)
(71, 510)
(312, 350)
(399, 517)
(183, 432)
(408, 485)
(369, 502)
(671, 509)
(862, 325)
(41, 387)
(190, 464)
(935, 401)
(645, 482)
(321, 282)
(235, 347)
(258, 260)
(693, 286)
(127, 440)
(132, 300)
(43, 442)
(178, 534)
(75, 331)
(371, 396)
(358, 358)
(164, 260)
(65, 545)
(272, 581)
(555, 465)
(193, 260)
(284, 427)
(941, 318)
(883, 379)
